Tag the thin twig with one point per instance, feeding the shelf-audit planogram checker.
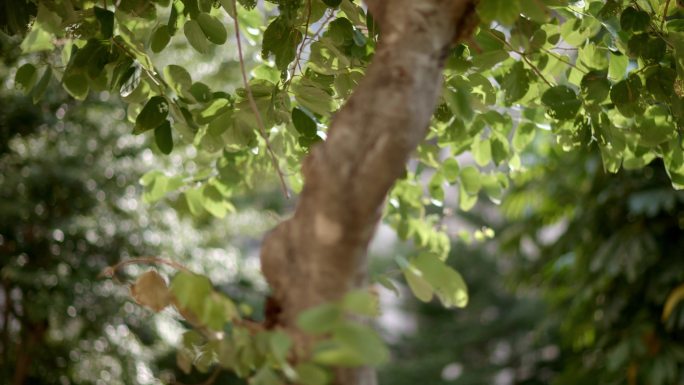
(323, 25)
(524, 57)
(152, 74)
(562, 59)
(301, 46)
(536, 70)
(253, 105)
(109, 271)
(662, 22)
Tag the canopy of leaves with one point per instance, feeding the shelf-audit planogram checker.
(604, 73)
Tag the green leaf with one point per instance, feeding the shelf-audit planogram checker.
(213, 28)
(217, 311)
(499, 148)
(304, 124)
(332, 353)
(633, 19)
(266, 376)
(163, 137)
(157, 185)
(201, 92)
(265, 72)
(76, 84)
(153, 114)
(516, 83)
(196, 37)
(656, 127)
(418, 285)
(626, 96)
(451, 169)
(661, 82)
(470, 179)
(313, 98)
(319, 319)
(195, 201)
(332, 3)
(178, 78)
(40, 88)
(26, 77)
(160, 38)
(363, 341)
(361, 302)
(37, 40)
(617, 67)
(562, 102)
(310, 374)
(503, 11)
(651, 49)
(106, 20)
(447, 282)
(595, 87)
(191, 290)
(281, 39)
(523, 136)
(280, 344)
(482, 151)
(214, 202)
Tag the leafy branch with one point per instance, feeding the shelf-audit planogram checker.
(253, 106)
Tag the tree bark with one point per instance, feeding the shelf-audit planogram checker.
(319, 254)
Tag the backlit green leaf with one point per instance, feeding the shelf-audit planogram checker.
(213, 28)
(320, 319)
(191, 290)
(76, 84)
(160, 38)
(196, 37)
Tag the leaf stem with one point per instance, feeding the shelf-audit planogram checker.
(301, 46)
(662, 22)
(523, 56)
(562, 59)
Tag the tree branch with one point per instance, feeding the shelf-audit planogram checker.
(320, 253)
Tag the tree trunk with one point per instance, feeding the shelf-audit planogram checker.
(320, 253)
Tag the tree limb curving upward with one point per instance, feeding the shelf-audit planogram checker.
(320, 253)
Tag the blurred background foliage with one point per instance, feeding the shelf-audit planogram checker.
(70, 206)
(570, 291)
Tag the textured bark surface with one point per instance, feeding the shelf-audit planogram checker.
(320, 253)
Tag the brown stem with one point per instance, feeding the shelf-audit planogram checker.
(662, 22)
(25, 352)
(523, 55)
(301, 46)
(4, 363)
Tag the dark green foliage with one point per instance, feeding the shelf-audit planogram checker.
(614, 259)
(281, 40)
